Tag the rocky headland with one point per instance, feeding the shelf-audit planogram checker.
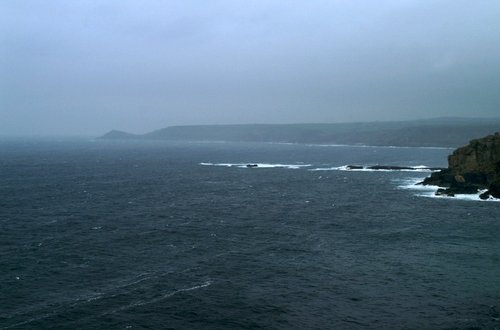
(436, 132)
(471, 168)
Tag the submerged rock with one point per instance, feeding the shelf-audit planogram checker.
(390, 167)
(471, 168)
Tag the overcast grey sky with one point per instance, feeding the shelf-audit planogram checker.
(85, 67)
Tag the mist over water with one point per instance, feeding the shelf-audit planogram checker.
(171, 234)
(99, 234)
(84, 68)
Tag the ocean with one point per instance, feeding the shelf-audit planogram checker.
(102, 234)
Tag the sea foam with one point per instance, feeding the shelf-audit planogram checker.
(259, 165)
(418, 168)
(429, 191)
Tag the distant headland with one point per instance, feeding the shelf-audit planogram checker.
(472, 168)
(437, 132)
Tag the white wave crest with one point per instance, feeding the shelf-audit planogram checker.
(335, 168)
(374, 147)
(430, 191)
(419, 168)
(258, 165)
(157, 299)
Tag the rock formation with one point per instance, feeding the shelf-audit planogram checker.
(471, 168)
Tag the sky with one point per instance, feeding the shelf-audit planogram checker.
(86, 67)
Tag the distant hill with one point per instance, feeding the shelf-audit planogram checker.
(119, 135)
(439, 132)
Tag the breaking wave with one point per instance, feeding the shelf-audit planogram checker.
(429, 191)
(258, 165)
(351, 168)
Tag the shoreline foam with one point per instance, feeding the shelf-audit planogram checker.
(429, 191)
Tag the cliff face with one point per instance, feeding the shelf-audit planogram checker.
(471, 168)
(480, 155)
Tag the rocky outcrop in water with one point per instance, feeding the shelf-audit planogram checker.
(471, 168)
(392, 168)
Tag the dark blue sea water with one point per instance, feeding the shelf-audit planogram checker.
(139, 235)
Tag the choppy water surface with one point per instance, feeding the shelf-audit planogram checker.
(155, 235)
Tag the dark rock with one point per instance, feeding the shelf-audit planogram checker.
(480, 155)
(252, 165)
(443, 178)
(392, 168)
(484, 195)
(442, 191)
(471, 168)
(493, 190)
(389, 167)
(435, 168)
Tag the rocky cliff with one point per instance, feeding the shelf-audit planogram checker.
(471, 168)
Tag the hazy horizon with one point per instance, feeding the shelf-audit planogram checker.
(86, 67)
